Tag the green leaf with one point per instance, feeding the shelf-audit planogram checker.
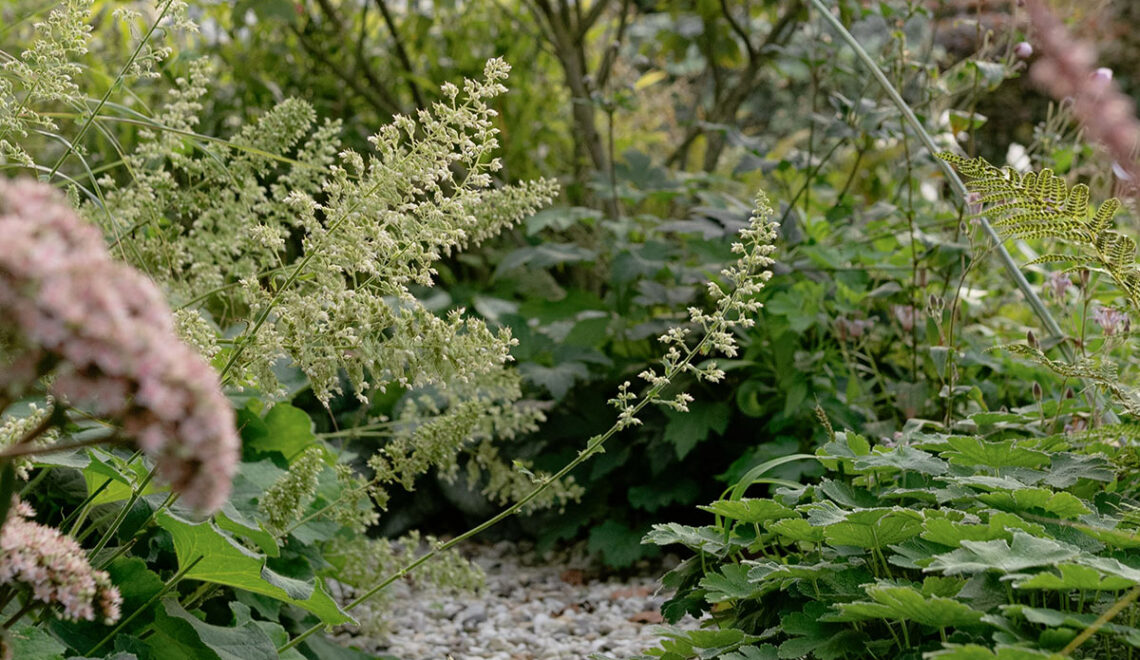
(557, 379)
(179, 635)
(685, 430)
(903, 458)
(277, 10)
(1025, 552)
(544, 255)
(123, 478)
(762, 652)
(226, 562)
(748, 510)
(1068, 468)
(797, 529)
(975, 652)
(232, 521)
(707, 539)
(875, 528)
(137, 585)
(969, 450)
(905, 603)
(618, 545)
(35, 642)
(729, 583)
(288, 431)
(1074, 576)
(560, 218)
(811, 636)
(768, 571)
(1062, 504)
(999, 526)
(655, 495)
(1111, 566)
(1117, 538)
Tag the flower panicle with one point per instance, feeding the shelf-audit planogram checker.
(735, 306)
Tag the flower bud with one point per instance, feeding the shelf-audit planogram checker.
(1023, 50)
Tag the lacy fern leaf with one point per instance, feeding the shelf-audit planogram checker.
(1041, 205)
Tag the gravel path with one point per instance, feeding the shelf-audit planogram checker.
(533, 608)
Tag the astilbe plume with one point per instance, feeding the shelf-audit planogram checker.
(1065, 70)
(313, 252)
(105, 334)
(54, 569)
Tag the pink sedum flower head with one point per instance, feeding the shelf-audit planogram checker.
(106, 332)
(55, 569)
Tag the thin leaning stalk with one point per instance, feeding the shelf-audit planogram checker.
(735, 309)
(110, 90)
(956, 183)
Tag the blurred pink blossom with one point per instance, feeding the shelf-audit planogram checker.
(905, 314)
(106, 333)
(1058, 285)
(1110, 319)
(1065, 70)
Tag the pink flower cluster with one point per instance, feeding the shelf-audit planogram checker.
(852, 329)
(1111, 320)
(55, 569)
(106, 333)
(1065, 70)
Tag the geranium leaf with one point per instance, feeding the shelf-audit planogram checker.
(1024, 552)
(968, 450)
(751, 511)
(1074, 576)
(875, 528)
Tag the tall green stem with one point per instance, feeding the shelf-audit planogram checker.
(110, 90)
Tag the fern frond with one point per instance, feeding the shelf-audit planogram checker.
(1056, 258)
(1077, 203)
(1119, 251)
(1063, 229)
(1033, 217)
(1103, 218)
(971, 167)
